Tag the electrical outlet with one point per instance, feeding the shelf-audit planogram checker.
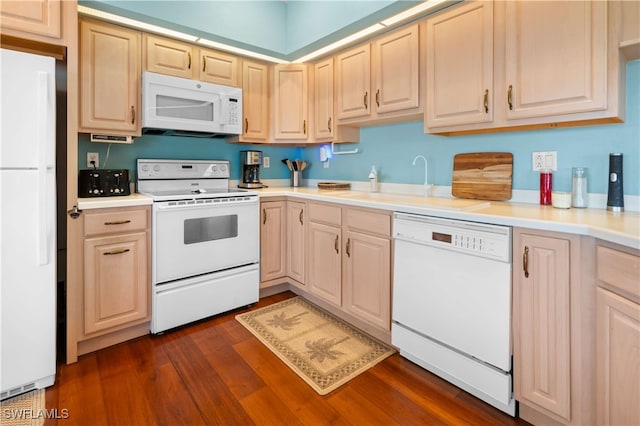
(544, 160)
(266, 162)
(325, 164)
(93, 156)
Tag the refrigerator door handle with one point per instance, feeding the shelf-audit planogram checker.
(42, 128)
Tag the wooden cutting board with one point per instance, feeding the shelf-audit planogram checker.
(482, 175)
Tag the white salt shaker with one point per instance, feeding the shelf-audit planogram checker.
(579, 187)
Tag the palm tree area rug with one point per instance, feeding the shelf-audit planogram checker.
(323, 350)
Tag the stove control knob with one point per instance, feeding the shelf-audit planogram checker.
(145, 168)
(156, 168)
(214, 169)
(223, 168)
(96, 191)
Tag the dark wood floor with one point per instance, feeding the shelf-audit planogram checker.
(216, 373)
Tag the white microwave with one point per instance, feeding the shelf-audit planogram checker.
(180, 106)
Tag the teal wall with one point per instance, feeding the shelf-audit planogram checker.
(392, 149)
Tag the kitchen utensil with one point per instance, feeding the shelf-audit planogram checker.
(482, 175)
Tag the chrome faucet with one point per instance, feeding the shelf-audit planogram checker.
(427, 187)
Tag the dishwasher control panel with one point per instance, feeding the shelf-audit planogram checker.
(492, 241)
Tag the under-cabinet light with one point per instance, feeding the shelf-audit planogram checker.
(411, 12)
(83, 10)
(342, 42)
(240, 51)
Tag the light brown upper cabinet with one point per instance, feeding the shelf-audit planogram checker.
(255, 103)
(291, 102)
(353, 83)
(167, 56)
(525, 64)
(180, 59)
(37, 17)
(109, 79)
(556, 58)
(219, 68)
(460, 66)
(380, 80)
(396, 71)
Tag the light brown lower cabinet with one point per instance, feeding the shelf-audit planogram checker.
(116, 295)
(296, 242)
(618, 337)
(272, 240)
(553, 327)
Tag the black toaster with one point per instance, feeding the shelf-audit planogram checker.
(103, 183)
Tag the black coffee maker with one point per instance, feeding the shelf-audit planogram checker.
(250, 164)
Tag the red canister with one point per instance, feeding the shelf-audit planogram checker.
(546, 180)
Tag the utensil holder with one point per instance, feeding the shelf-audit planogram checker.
(296, 178)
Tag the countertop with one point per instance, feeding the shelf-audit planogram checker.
(619, 228)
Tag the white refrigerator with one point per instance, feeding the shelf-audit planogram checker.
(27, 223)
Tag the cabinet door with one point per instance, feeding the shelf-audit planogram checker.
(116, 279)
(618, 359)
(255, 102)
(325, 271)
(541, 353)
(460, 66)
(542, 35)
(109, 79)
(323, 99)
(296, 239)
(218, 68)
(290, 101)
(367, 278)
(397, 70)
(272, 240)
(353, 83)
(166, 56)
(41, 17)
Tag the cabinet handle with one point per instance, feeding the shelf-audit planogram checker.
(348, 247)
(133, 114)
(204, 63)
(111, 253)
(189, 56)
(118, 222)
(336, 245)
(246, 125)
(300, 217)
(510, 97)
(329, 124)
(366, 102)
(378, 98)
(525, 262)
(304, 127)
(264, 216)
(486, 101)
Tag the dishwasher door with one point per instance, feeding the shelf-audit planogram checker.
(450, 292)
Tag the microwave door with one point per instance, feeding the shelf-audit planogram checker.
(183, 109)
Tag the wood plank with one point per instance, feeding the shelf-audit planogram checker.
(482, 175)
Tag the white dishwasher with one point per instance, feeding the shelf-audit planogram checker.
(452, 303)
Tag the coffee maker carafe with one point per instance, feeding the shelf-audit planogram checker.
(250, 163)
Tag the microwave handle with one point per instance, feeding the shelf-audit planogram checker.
(223, 108)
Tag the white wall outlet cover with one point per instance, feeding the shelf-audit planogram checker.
(266, 162)
(323, 154)
(95, 157)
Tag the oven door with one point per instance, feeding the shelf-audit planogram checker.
(201, 236)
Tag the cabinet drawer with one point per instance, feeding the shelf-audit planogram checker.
(325, 213)
(115, 222)
(369, 222)
(619, 269)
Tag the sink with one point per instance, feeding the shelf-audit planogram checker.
(452, 204)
